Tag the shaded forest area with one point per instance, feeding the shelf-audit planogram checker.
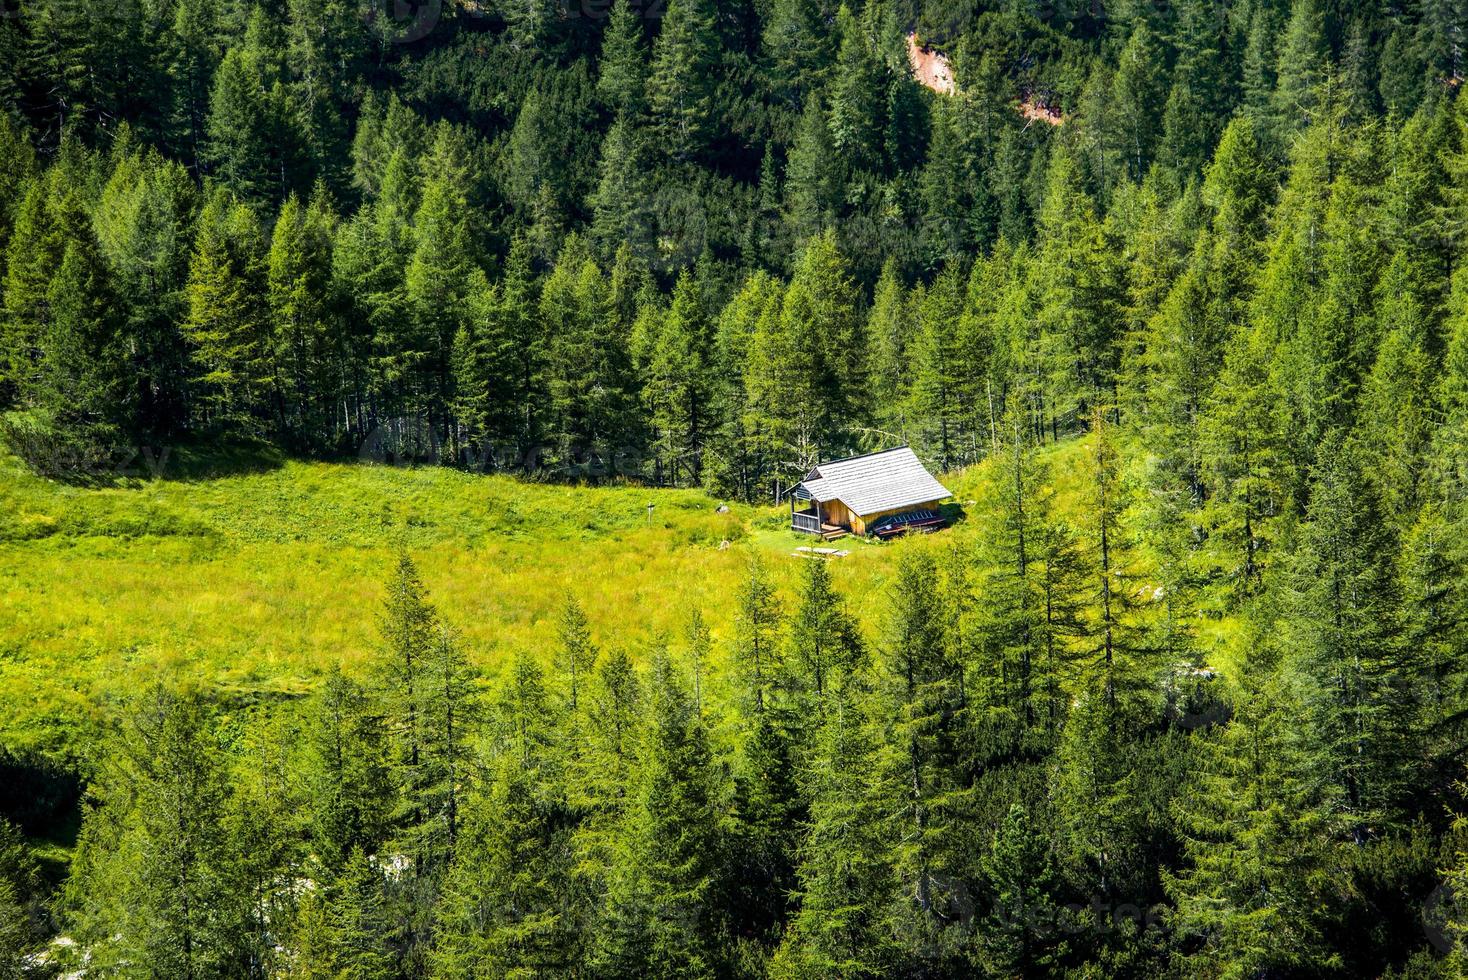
(580, 239)
(706, 244)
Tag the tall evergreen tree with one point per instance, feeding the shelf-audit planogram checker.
(226, 326)
(663, 917)
(154, 880)
(680, 83)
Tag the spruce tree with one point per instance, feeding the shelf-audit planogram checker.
(507, 906)
(1252, 890)
(858, 94)
(1137, 93)
(154, 873)
(812, 177)
(226, 326)
(796, 48)
(663, 916)
(345, 771)
(143, 223)
(1022, 934)
(680, 83)
(824, 645)
(577, 652)
(846, 881)
(623, 75)
(927, 711)
(82, 369)
(358, 936)
(1343, 635)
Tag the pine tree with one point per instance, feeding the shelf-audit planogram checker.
(345, 772)
(589, 376)
(623, 75)
(265, 797)
(1077, 277)
(153, 875)
(506, 907)
(1120, 657)
(226, 326)
(946, 372)
(824, 645)
(47, 219)
(680, 85)
(15, 145)
(194, 47)
(602, 767)
(959, 207)
(812, 180)
(1244, 465)
(926, 708)
(1028, 593)
(473, 402)
(451, 715)
(676, 389)
(828, 392)
(663, 917)
(745, 453)
(845, 879)
(757, 623)
(409, 629)
(327, 50)
(887, 330)
(577, 652)
(1201, 90)
(440, 272)
(698, 642)
(299, 283)
(1396, 408)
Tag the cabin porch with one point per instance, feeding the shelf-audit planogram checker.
(812, 520)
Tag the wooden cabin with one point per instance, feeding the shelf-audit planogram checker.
(882, 494)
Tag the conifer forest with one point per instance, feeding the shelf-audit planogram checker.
(400, 405)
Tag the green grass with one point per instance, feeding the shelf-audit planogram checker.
(254, 584)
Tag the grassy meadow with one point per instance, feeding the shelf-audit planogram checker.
(254, 583)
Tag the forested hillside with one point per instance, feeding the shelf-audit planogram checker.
(1201, 714)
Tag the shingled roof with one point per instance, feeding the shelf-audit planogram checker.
(875, 482)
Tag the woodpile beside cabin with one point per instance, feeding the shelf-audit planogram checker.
(882, 494)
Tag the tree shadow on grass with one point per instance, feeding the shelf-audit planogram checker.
(100, 463)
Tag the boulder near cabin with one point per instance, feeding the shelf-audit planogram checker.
(881, 494)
